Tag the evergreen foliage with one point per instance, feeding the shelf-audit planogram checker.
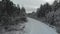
(9, 13)
(43, 10)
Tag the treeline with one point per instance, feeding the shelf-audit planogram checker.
(46, 8)
(47, 13)
(10, 13)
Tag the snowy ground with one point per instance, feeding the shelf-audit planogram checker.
(33, 27)
(37, 27)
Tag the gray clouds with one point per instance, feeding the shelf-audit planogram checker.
(31, 4)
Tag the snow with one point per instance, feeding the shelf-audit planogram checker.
(36, 27)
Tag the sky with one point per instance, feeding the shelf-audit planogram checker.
(31, 5)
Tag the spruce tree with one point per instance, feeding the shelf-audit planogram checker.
(9, 13)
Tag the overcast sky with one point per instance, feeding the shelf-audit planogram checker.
(31, 5)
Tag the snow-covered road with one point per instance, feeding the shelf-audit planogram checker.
(36, 27)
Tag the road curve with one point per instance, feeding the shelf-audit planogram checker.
(36, 27)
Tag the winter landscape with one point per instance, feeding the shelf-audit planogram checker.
(29, 16)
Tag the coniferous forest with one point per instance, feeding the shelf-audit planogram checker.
(49, 14)
(46, 12)
(10, 13)
(15, 20)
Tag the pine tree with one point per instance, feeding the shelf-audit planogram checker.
(43, 10)
(9, 12)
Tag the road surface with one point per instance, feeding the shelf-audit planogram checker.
(36, 27)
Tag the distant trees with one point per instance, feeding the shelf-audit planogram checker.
(48, 12)
(43, 10)
(46, 8)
